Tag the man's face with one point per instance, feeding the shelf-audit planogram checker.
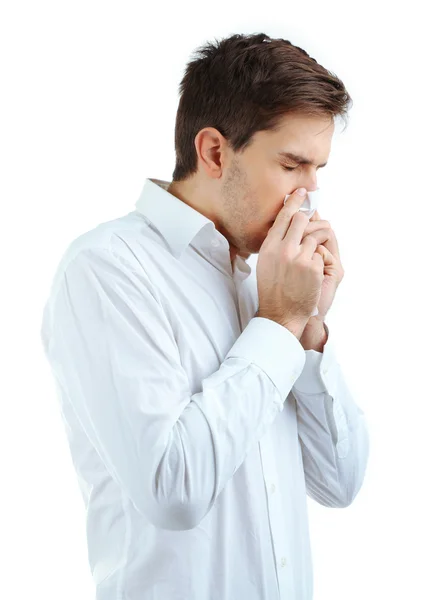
(255, 182)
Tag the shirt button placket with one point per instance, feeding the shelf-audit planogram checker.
(274, 510)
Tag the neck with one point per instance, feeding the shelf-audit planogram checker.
(189, 192)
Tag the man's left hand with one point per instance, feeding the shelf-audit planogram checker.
(333, 270)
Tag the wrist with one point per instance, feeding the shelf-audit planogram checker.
(296, 327)
(315, 335)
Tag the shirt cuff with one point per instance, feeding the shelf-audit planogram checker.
(274, 349)
(320, 372)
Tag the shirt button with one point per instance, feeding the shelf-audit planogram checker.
(272, 488)
(283, 561)
(215, 243)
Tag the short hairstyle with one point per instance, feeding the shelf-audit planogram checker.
(247, 83)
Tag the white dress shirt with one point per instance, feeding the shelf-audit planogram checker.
(196, 430)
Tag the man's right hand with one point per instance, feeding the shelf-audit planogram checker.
(289, 270)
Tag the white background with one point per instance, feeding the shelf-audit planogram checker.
(89, 92)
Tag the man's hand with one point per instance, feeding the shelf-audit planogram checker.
(314, 335)
(289, 270)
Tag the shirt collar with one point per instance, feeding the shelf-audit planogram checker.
(177, 222)
(166, 211)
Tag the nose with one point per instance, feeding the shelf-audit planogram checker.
(310, 183)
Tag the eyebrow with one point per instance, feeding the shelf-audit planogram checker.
(300, 159)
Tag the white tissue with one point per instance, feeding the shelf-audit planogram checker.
(311, 202)
(309, 206)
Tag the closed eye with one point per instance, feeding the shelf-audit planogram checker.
(294, 168)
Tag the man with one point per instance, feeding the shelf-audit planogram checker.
(202, 402)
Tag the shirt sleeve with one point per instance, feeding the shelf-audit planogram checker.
(113, 352)
(333, 432)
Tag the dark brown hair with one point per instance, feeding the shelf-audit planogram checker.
(248, 83)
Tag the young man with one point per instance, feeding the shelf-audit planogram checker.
(202, 401)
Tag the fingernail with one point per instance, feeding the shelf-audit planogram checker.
(301, 191)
